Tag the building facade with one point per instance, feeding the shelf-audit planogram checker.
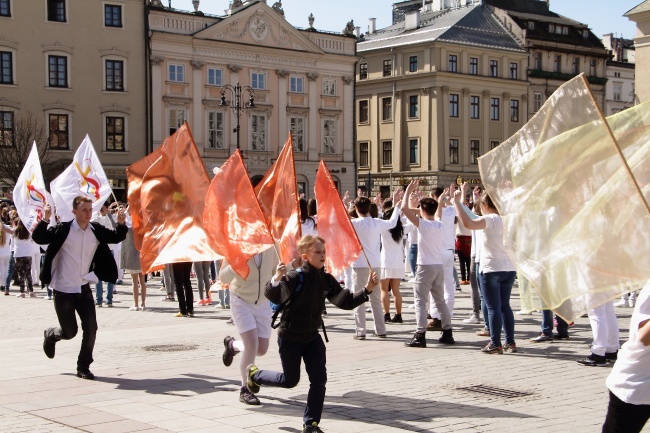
(641, 16)
(620, 72)
(300, 81)
(79, 67)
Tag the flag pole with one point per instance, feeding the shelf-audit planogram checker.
(616, 145)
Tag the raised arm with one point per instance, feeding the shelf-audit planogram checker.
(469, 223)
(406, 210)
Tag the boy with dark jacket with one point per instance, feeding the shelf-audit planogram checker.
(298, 334)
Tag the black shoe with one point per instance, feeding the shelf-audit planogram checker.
(245, 396)
(49, 345)
(561, 336)
(313, 428)
(611, 356)
(447, 337)
(387, 317)
(593, 360)
(418, 340)
(228, 352)
(397, 318)
(84, 373)
(324, 313)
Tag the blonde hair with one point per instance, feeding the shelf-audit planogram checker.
(306, 242)
(3, 236)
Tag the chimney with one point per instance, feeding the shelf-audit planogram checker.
(412, 20)
(357, 31)
(371, 26)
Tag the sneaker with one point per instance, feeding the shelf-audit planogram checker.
(510, 348)
(109, 305)
(49, 345)
(179, 314)
(228, 351)
(374, 334)
(324, 313)
(253, 386)
(230, 321)
(434, 325)
(134, 308)
(168, 300)
(47, 298)
(611, 356)
(458, 289)
(98, 304)
(418, 340)
(593, 360)
(20, 295)
(358, 337)
(491, 349)
(623, 303)
(483, 333)
(32, 294)
(143, 308)
(6, 292)
(541, 338)
(190, 314)
(472, 319)
(447, 337)
(84, 373)
(247, 397)
(313, 428)
(387, 317)
(201, 302)
(561, 336)
(397, 318)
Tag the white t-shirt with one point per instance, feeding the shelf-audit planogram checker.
(430, 242)
(448, 218)
(630, 377)
(392, 253)
(308, 228)
(25, 247)
(493, 257)
(5, 249)
(369, 231)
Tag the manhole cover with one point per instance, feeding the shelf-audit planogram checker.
(497, 392)
(171, 347)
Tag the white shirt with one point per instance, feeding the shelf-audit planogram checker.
(448, 218)
(392, 253)
(493, 257)
(369, 232)
(24, 247)
(430, 241)
(70, 267)
(5, 250)
(108, 222)
(308, 228)
(630, 377)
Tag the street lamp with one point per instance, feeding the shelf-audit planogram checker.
(237, 106)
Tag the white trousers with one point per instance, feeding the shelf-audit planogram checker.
(359, 280)
(604, 328)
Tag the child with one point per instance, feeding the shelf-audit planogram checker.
(298, 336)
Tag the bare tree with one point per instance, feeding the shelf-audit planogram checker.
(27, 129)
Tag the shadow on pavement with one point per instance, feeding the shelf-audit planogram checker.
(173, 386)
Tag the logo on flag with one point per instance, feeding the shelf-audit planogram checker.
(91, 184)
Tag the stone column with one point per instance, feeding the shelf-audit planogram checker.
(197, 116)
(158, 112)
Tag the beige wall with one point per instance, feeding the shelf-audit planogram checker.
(642, 45)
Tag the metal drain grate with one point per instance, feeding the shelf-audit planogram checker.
(171, 347)
(497, 392)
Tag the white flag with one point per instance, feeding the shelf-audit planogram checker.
(29, 192)
(85, 176)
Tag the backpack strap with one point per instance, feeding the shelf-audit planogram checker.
(276, 313)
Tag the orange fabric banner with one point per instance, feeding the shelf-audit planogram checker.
(168, 189)
(277, 194)
(334, 225)
(233, 217)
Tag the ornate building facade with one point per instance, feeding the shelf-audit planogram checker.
(641, 16)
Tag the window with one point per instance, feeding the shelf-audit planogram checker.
(592, 68)
(565, 30)
(7, 129)
(494, 68)
(514, 110)
(363, 111)
(386, 109)
(58, 71)
(297, 128)
(453, 105)
(538, 61)
(413, 64)
(617, 75)
(215, 130)
(387, 153)
(296, 84)
(474, 107)
(6, 68)
(388, 68)
(493, 144)
(258, 132)
(363, 71)
(453, 63)
(576, 65)
(538, 101)
(329, 87)
(215, 77)
(551, 28)
(453, 151)
(5, 10)
(414, 112)
(330, 136)
(176, 119)
(115, 134)
(618, 90)
(364, 154)
(58, 131)
(473, 65)
(113, 15)
(56, 10)
(514, 71)
(474, 146)
(585, 33)
(176, 73)
(258, 80)
(114, 75)
(531, 25)
(494, 109)
(558, 63)
(414, 151)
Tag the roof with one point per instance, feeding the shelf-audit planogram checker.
(643, 7)
(472, 25)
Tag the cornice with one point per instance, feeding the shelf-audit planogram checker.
(255, 58)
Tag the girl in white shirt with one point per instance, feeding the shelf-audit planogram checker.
(23, 253)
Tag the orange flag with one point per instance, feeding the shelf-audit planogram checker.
(334, 225)
(277, 194)
(233, 217)
(167, 192)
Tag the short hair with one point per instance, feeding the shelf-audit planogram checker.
(362, 205)
(306, 242)
(429, 206)
(387, 204)
(80, 199)
(437, 192)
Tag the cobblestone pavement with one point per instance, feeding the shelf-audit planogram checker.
(156, 372)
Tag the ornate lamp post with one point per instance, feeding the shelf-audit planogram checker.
(237, 105)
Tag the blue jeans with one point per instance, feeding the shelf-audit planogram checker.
(497, 287)
(484, 308)
(10, 271)
(99, 288)
(547, 324)
(413, 257)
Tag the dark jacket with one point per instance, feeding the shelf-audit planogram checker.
(103, 263)
(301, 317)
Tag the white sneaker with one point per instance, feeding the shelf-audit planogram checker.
(622, 303)
(472, 319)
(134, 308)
